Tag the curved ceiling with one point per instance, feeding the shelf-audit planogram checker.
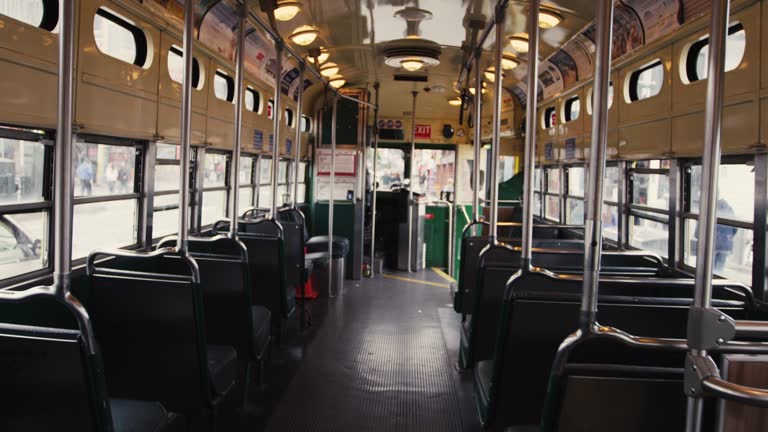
(354, 32)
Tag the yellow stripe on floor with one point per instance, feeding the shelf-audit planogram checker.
(443, 274)
(418, 281)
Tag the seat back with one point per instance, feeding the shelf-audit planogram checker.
(265, 241)
(499, 263)
(148, 316)
(225, 284)
(541, 310)
(51, 379)
(631, 399)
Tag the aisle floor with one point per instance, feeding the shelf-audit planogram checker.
(382, 358)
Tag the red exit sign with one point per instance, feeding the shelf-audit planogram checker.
(423, 131)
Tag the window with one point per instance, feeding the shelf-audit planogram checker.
(289, 117)
(390, 168)
(590, 97)
(576, 182)
(696, 57)
(302, 193)
(645, 82)
(735, 214)
(223, 86)
(176, 68)
(552, 194)
(265, 182)
(247, 187)
(106, 199)
(165, 214)
(434, 173)
(571, 109)
(282, 182)
(648, 209)
(253, 100)
(537, 192)
(214, 206)
(118, 37)
(38, 13)
(610, 212)
(550, 118)
(306, 124)
(24, 173)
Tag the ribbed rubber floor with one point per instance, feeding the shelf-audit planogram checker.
(378, 363)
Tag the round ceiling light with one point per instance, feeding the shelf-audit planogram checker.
(490, 73)
(412, 64)
(509, 62)
(472, 89)
(329, 69)
(518, 43)
(322, 57)
(455, 101)
(287, 10)
(304, 35)
(549, 18)
(337, 81)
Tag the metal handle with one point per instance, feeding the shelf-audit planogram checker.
(736, 392)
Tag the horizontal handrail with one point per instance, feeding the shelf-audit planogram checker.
(752, 328)
(736, 392)
(90, 268)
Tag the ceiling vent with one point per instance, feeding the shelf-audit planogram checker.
(411, 77)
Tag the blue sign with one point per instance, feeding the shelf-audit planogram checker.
(288, 145)
(271, 142)
(548, 151)
(258, 139)
(570, 148)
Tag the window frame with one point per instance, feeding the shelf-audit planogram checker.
(46, 138)
(229, 81)
(567, 193)
(632, 81)
(690, 55)
(547, 170)
(568, 107)
(198, 80)
(50, 19)
(142, 59)
(258, 105)
(226, 187)
(641, 211)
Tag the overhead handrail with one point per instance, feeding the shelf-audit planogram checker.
(477, 49)
(451, 232)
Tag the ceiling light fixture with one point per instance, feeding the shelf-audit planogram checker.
(455, 101)
(549, 18)
(320, 55)
(329, 69)
(287, 10)
(472, 90)
(337, 81)
(490, 73)
(509, 62)
(304, 35)
(519, 43)
(412, 64)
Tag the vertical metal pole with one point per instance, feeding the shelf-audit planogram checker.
(63, 187)
(373, 176)
(593, 223)
(412, 158)
(331, 182)
(239, 75)
(760, 257)
(530, 135)
(276, 111)
(710, 167)
(622, 200)
(257, 182)
(496, 143)
(675, 225)
(477, 211)
(186, 126)
(297, 144)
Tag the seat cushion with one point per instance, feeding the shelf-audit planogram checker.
(262, 319)
(320, 244)
(138, 416)
(222, 367)
(317, 258)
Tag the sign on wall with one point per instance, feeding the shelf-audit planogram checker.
(346, 162)
(258, 139)
(423, 131)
